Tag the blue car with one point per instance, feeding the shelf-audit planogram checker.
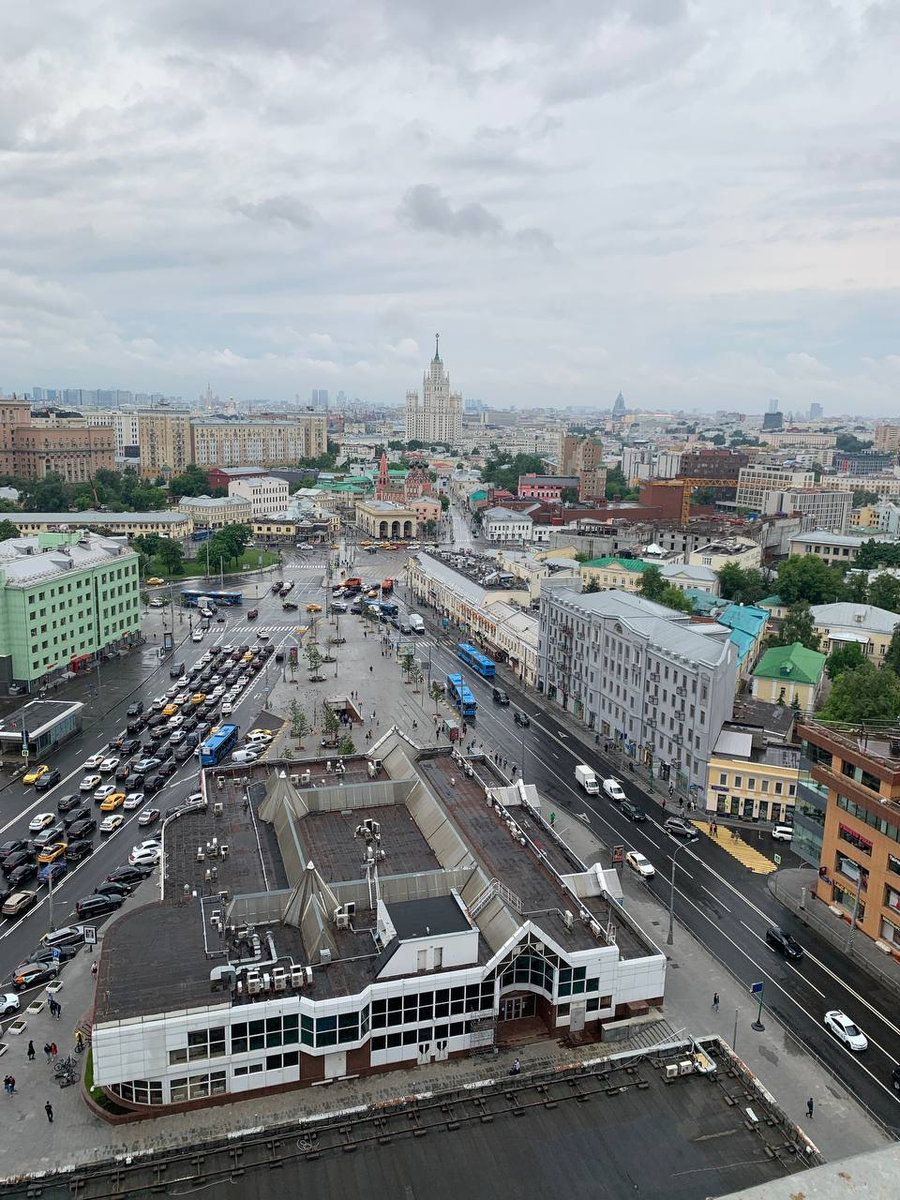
(54, 871)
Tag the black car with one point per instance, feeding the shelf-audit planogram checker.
(521, 718)
(135, 710)
(48, 780)
(11, 847)
(123, 770)
(132, 746)
(152, 783)
(82, 829)
(184, 752)
(55, 833)
(129, 874)
(16, 859)
(34, 974)
(115, 743)
(190, 724)
(98, 906)
(500, 697)
(114, 887)
(168, 768)
(78, 814)
(632, 811)
(157, 736)
(779, 940)
(44, 954)
(156, 720)
(133, 728)
(163, 752)
(22, 874)
(134, 782)
(76, 851)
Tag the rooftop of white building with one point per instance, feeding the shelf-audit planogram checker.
(46, 556)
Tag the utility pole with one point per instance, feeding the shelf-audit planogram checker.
(671, 935)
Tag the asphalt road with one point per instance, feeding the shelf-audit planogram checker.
(724, 905)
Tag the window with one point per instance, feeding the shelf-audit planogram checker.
(263, 1034)
(248, 1069)
(140, 1091)
(202, 1043)
(197, 1087)
(855, 839)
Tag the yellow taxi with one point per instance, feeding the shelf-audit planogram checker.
(198, 698)
(170, 710)
(261, 733)
(366, 543)
(301, 629)
(52, 852)
(372, 594)
(314, 608)
(248, 657)
(35, 773)
(111, 803)
(385, 545)
(155, 581)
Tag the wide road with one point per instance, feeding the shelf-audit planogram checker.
(725, 906)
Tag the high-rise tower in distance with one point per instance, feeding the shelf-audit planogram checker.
(437, 415)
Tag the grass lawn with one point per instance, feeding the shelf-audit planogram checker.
(197, 566)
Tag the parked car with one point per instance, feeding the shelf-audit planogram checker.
(35, 974)
(48, 780)
(110, 888)
(845, 1030)
(779, 940)
(783, 833)
(144, 857)
(98, 906)
(9, 1003)
(678, 827)
(131, 872)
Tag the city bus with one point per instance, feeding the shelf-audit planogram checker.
(461, 696)
(191, 598)
(476, 660)
(218, 744)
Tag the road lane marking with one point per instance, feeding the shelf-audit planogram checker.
(716, 898)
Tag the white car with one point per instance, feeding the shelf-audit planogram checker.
(153, 843)
(111, 823)
(613, 789)
(89, 783)
(41, 821)
(134, 800)
(196, 636)
(92, 763)
(9, 1003)
(108, 764)
(175, 722)
(160, 702)
(182, 697)
(228, 649)
(227, 708)
(172, 693)
(783, 833)
(845, 1031)
(218, 690)
(260, 738)
(145, 858)
(263, 636)
(639, 863)
(106, 790)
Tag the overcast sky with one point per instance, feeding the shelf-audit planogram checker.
(695, 202)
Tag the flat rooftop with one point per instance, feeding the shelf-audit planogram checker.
(434, 914)
(613, 1130)
(36, 717)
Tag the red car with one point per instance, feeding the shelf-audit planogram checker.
(252, 614)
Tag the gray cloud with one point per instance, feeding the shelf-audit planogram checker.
(286, 210)
(425, 209)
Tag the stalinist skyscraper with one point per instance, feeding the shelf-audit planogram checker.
(437, 417)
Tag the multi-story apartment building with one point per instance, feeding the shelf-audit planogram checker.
(436, 416)
(583, 456)
(266, 442)
(208, 512)
(164, 441)
(755, 481)
(824, 509)
(638, 672)
(853, 805)
(866, 462)
(74, 452)
(793, 438)
(867, 626)
(726, 553)
(64, 599)
(266, 493)
(887, 439)
(832, 547)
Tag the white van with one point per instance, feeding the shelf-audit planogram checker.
(416, 624)
(245, 756)
(783, 833)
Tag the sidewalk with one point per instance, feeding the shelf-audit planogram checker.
(795, 888)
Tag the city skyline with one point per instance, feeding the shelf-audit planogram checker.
(673, 200)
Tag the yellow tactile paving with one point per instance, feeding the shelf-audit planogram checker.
(738, 848)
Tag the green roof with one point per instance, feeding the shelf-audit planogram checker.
(795, 663)
(630, 564)
(771, 602)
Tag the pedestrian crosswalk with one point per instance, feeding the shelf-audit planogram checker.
(239, 631)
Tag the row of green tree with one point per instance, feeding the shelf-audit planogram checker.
(225, 548)
(809, 578)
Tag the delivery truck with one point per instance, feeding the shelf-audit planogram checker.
(587, 777)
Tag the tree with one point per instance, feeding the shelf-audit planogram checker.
(407, 661)
(299, 722)
(444, 502)
(618, 485)
(744, 585)
(193, 481)
(569, 495)
(673, 597)
(884, 592)
(314, 659)
(503, 470)
(892, 658)
(49, 494)
(436, 694)
(171, 556)
(7, 531)
(592, 585)
(704, 496)
(146, 545)
(808, 578)
(862, 497)
(856, 587)
(652, 584)
(416, 675)
(877, 554)
(797, 626)
(845, 658)
(863, 694)
(346, 746)
(847, 443)
(330, 720)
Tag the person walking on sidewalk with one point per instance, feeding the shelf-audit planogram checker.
(809, 1107)
(31, 1051)
(47, 1051)
(715, 1003)
(48, 1109)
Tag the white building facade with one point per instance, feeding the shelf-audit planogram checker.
(267, 494)
(436, 416)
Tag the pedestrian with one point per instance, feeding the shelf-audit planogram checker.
(53, 1051)
(31, 1051)
(57, 1010)
(47, 1051)
(12, 1085)
(79, 1041)
(6, 1085)
(809, 1107)
(48, 1109)
(715, 1002)
(94, 970)
(664, 803)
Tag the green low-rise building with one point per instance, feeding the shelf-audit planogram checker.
(65, 599)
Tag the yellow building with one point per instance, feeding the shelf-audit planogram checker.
(790, 675)
(384, 519)
(612, 572)
(164, 440)
(262, 442)
(742, 783)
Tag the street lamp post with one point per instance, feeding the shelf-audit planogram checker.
(671, 935)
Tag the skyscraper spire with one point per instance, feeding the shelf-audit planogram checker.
(437, 338)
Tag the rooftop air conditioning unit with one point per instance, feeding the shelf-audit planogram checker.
(308, 971)
(568, 919)
(298, 977)
(325, 956)
(341, 919)
(685, 1067)
(279, 980)
(672, 1071)
(254, 983)
(304, 778)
